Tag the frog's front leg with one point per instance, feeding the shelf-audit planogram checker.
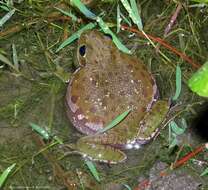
(95, 148)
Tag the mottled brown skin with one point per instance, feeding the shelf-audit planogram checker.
(108, 83)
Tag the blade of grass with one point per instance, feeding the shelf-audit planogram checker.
(75, 35)
(4, 7)
(5, 174)
(40, 131)
(83, 9)
(6, 17)
(93, 170)
(107, 30)
(74, 18)
(118, 19)
(102, 24)
(205, 172)
(135, 18)
(127, 186)
(116, 121)
(7, 62)
(137, 14)
(126, 20)
(15, 58)
(178, 83)
(176, 129)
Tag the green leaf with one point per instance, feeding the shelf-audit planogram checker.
(178, 83)
(76, 35)
(83, 9)
(127, 186)
(132, 14)
(93, 170)
(176, 129)
(205, 172)
(116, 121)
(40, 131)
(198, 83)
(6, 17)
(5, 174)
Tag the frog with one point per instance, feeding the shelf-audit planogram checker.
(106, 84)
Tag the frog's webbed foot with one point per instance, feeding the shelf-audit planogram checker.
(100, 152)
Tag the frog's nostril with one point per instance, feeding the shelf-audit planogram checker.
(82, 50)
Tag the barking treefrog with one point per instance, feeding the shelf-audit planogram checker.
(107, 83)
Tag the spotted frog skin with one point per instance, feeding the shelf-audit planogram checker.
(107, 83)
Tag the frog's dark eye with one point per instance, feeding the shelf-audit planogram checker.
(108, 36)
(82, 50)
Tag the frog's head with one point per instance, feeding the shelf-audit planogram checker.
(93, 46)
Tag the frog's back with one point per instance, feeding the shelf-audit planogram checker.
(109, 84)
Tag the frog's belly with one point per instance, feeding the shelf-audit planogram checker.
(94, 99)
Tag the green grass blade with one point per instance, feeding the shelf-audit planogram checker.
(75, 36)
(5, 174)
(118, 19)
(127, 186)
(135, 18)
(198, 83)
(137, 14)
(93, 170)
(176, 129)
(7, 61)
(178, 83)
(205, 172)
(15, 58)
(74, 18)
(101, 23)
(40, 131)
(107, 30)
(200, 1)
(6, 17)
(4, 7)
(116, 121)
(83, 9)
(126, 20)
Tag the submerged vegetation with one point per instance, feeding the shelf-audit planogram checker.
(37, 53)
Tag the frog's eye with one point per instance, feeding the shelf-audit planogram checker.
(108, 36)
(82, 50)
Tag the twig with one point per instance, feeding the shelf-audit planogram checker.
(173, 19)
(165, 44)
(189, 156)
